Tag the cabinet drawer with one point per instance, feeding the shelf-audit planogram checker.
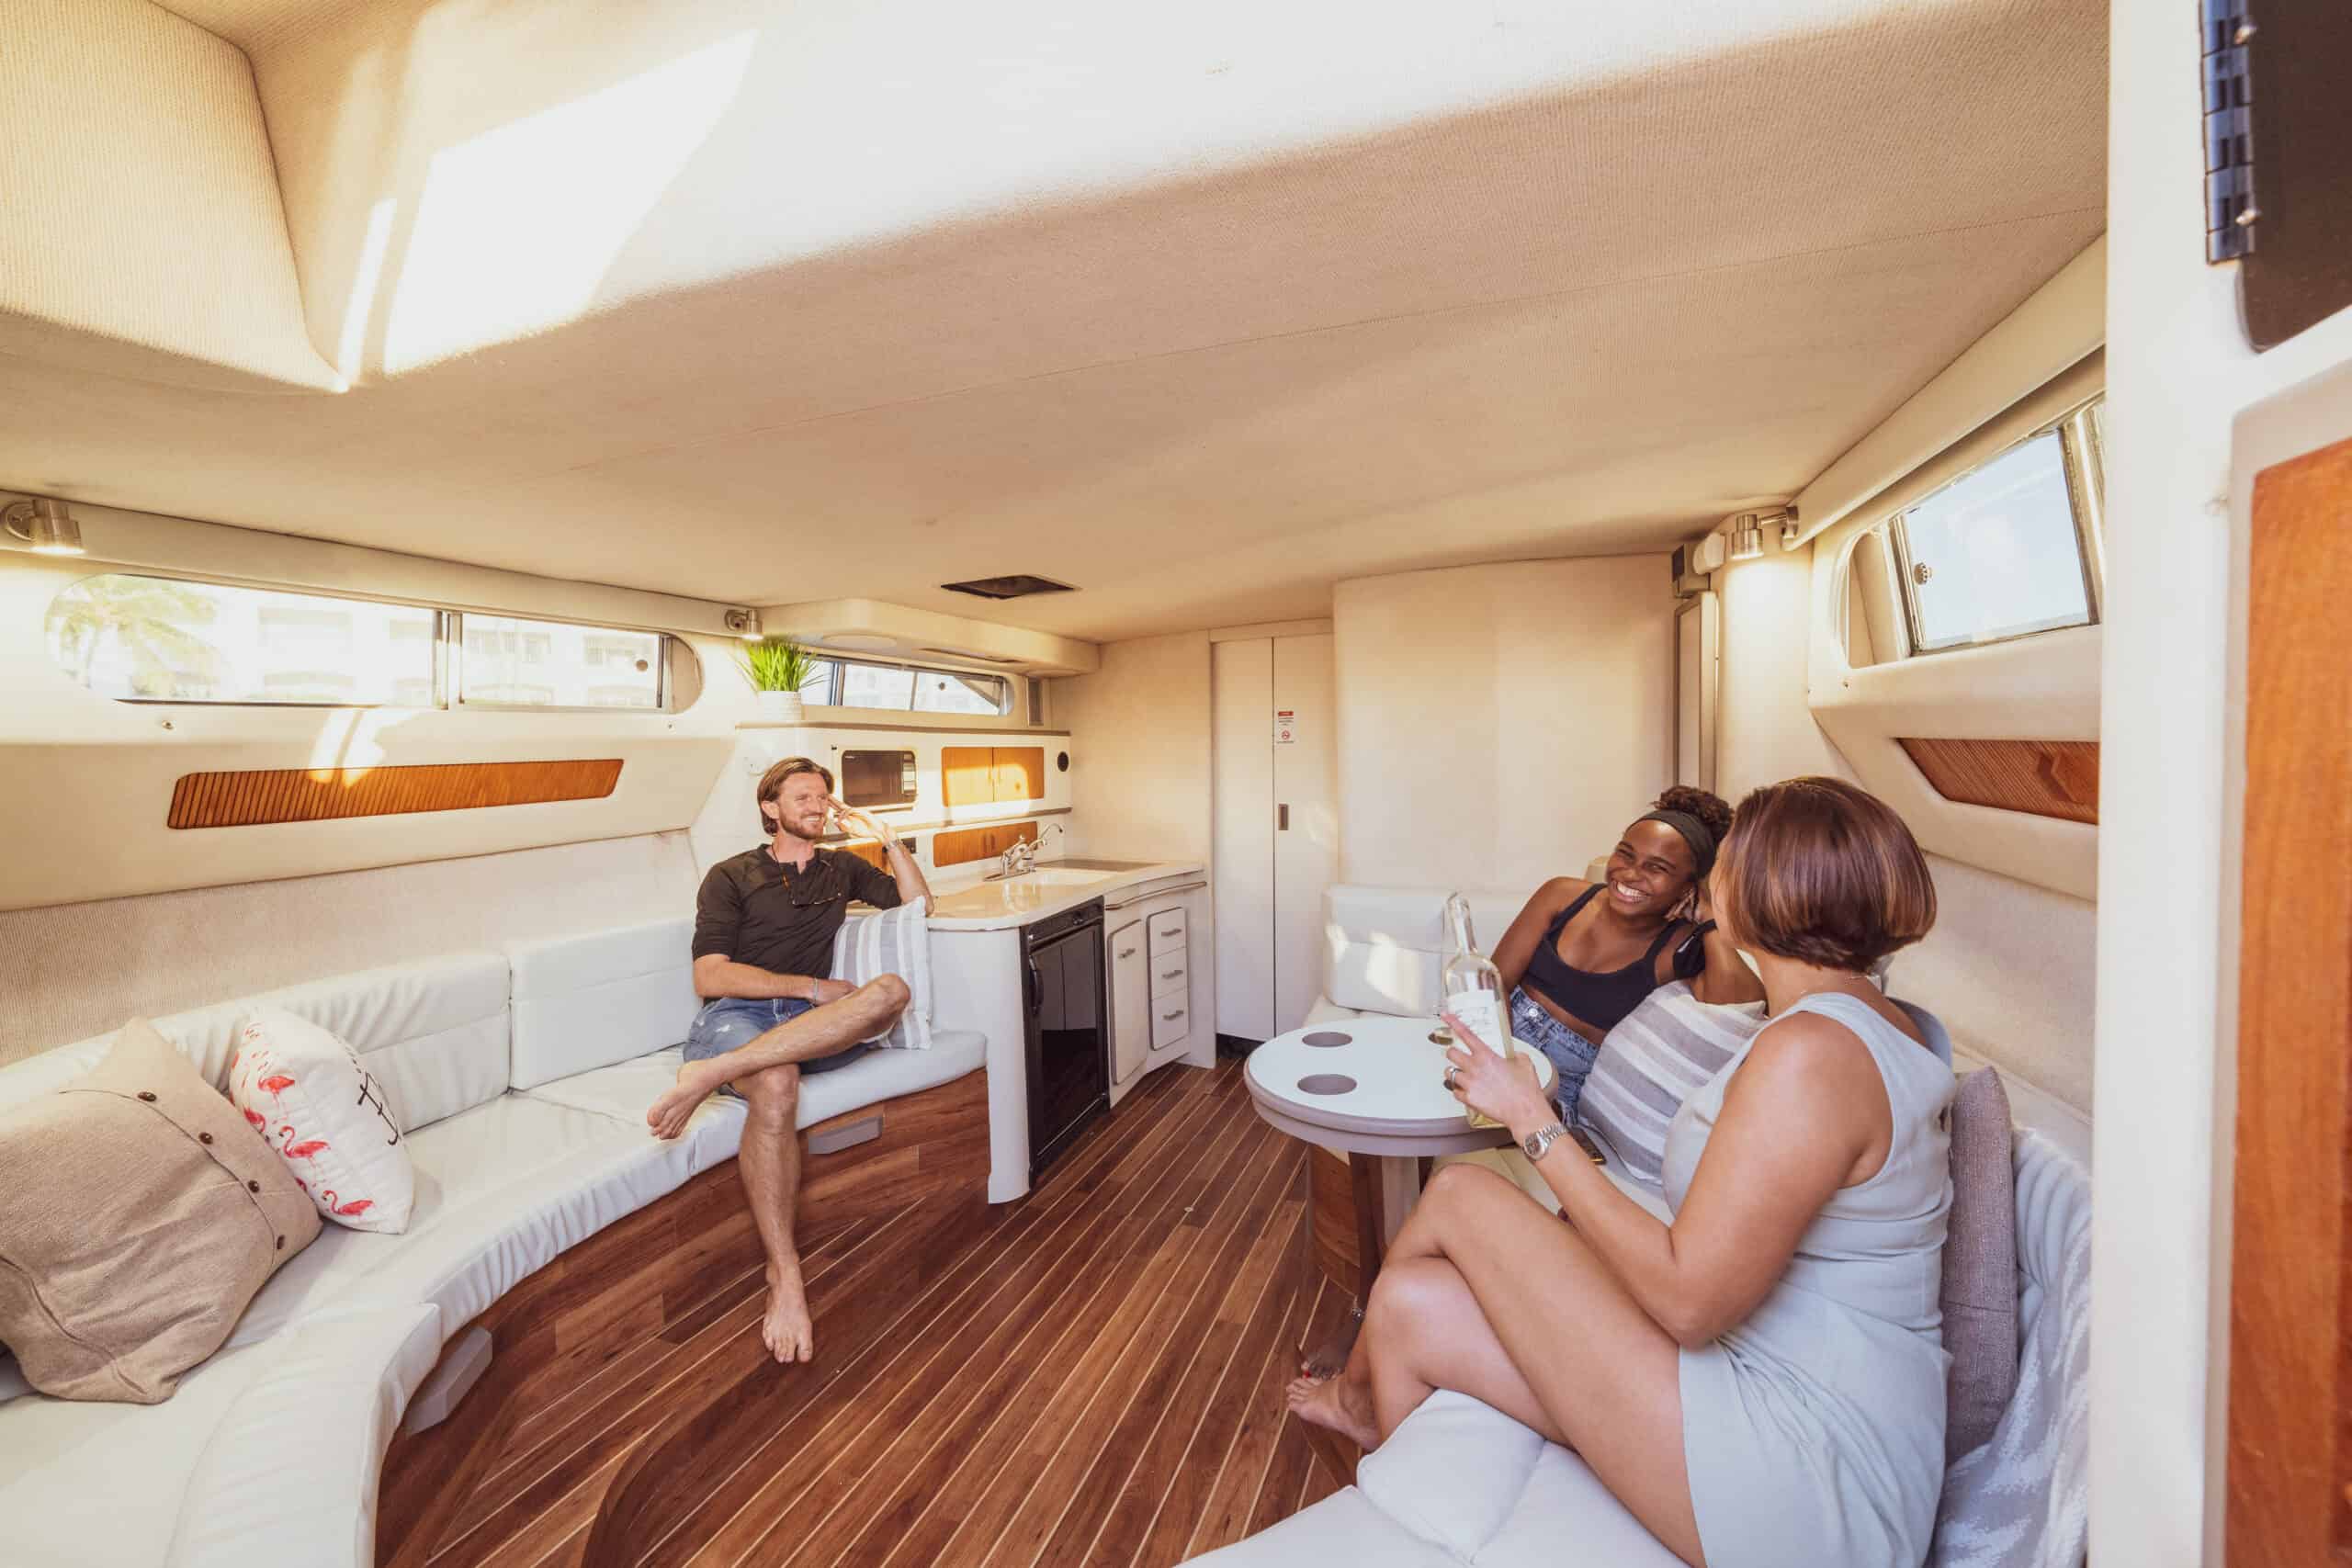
(1167, 1020)
(1169, 971)
(1166, 931)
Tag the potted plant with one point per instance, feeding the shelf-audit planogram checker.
(777, 669)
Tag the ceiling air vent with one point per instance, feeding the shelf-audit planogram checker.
(1019, 585)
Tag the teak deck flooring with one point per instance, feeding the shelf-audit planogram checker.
(1090, 1375)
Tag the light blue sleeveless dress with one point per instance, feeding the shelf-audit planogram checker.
(1815, 1430)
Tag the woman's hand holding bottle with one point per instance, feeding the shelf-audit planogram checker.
(1504, 1088)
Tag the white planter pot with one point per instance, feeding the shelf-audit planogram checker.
(779, 707)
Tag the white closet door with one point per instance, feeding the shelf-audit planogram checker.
(1241, 689)
(1306, 819)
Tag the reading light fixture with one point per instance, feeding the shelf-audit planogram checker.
(1747, 537)
(744, 624)
(46, 525)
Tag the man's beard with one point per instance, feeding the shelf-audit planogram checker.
(807, 836)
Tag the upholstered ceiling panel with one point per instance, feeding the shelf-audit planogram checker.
(142, 234)
(1198, 310)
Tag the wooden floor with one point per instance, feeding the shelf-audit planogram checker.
(1091, 1375)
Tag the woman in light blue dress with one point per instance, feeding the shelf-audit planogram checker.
(1760, 1382)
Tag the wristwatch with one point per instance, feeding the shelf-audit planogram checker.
(1536, 1145)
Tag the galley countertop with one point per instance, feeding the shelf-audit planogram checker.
(1053, 886)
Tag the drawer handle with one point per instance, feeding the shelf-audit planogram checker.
(1126, 953)
(1169, 974)
(1171, 1017)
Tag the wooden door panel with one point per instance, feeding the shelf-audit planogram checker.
(2290, 1315)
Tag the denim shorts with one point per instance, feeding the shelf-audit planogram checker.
(729, 1023)
(1570, 1053)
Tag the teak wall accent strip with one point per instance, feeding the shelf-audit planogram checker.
(2291, 1340)
(247, 797)
(979, 843)
(2047, 778)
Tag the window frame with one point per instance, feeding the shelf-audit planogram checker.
(837, 679)
(446, 640)
(2081, 462)
(451, 669)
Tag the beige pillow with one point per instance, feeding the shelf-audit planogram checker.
(1980, 1293)
(139, 1213)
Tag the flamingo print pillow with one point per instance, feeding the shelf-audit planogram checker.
(304, 1091)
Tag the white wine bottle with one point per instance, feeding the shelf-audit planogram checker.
(1472, 987)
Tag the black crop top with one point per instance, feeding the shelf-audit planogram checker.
(1603, 998)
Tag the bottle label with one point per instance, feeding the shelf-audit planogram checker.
(1481, 1014)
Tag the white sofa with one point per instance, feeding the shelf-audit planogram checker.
(521, 1079)
(1459, 1482)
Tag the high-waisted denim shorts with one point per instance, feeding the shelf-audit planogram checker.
(1570, 1053)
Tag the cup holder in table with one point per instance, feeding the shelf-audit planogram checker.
(1326, 1037)
(1327, 1083)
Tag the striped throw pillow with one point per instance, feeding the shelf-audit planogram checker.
(894, 942)
(1652, 1061)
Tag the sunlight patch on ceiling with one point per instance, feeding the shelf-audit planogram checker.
(517, 227)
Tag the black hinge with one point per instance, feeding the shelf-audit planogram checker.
(2230, 212)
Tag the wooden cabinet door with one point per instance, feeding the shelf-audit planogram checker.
(968, 775)
(1020, 772)
(1130, 1000)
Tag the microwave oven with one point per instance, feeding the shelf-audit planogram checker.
(877, 778)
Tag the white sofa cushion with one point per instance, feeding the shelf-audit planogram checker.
(1460, 1482)
(624, 1090)
(584, 1002)
(433, 1033)
(253, 1432)
(289, 1474)
(501, 1189)
(1381, 944)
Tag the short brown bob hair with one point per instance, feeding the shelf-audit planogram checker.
(772, 785)
(1823, 873)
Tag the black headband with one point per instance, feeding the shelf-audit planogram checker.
(1695, 833)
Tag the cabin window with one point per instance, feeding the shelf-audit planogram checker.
(506, 663)
(2007, 549)
(159, 639)
(847, 682)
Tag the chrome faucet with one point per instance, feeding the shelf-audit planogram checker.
(1020, 857)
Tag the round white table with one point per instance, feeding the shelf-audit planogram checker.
(1374, 1086)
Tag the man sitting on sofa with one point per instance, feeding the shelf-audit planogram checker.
(764, 925)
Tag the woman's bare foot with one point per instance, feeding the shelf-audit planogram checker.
(1339, 1403)
(669, 1115)
(787, 1331)
(1329, 1359)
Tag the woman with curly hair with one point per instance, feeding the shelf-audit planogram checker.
(1581, 954)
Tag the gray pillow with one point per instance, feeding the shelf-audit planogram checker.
(1652, 1061)
(1980, 1293)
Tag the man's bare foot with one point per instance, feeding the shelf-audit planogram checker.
(787, 1331)
(1329, 1359)
(1341, 1404)
(669, 1115)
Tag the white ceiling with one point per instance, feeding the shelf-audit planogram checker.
(772, 302)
